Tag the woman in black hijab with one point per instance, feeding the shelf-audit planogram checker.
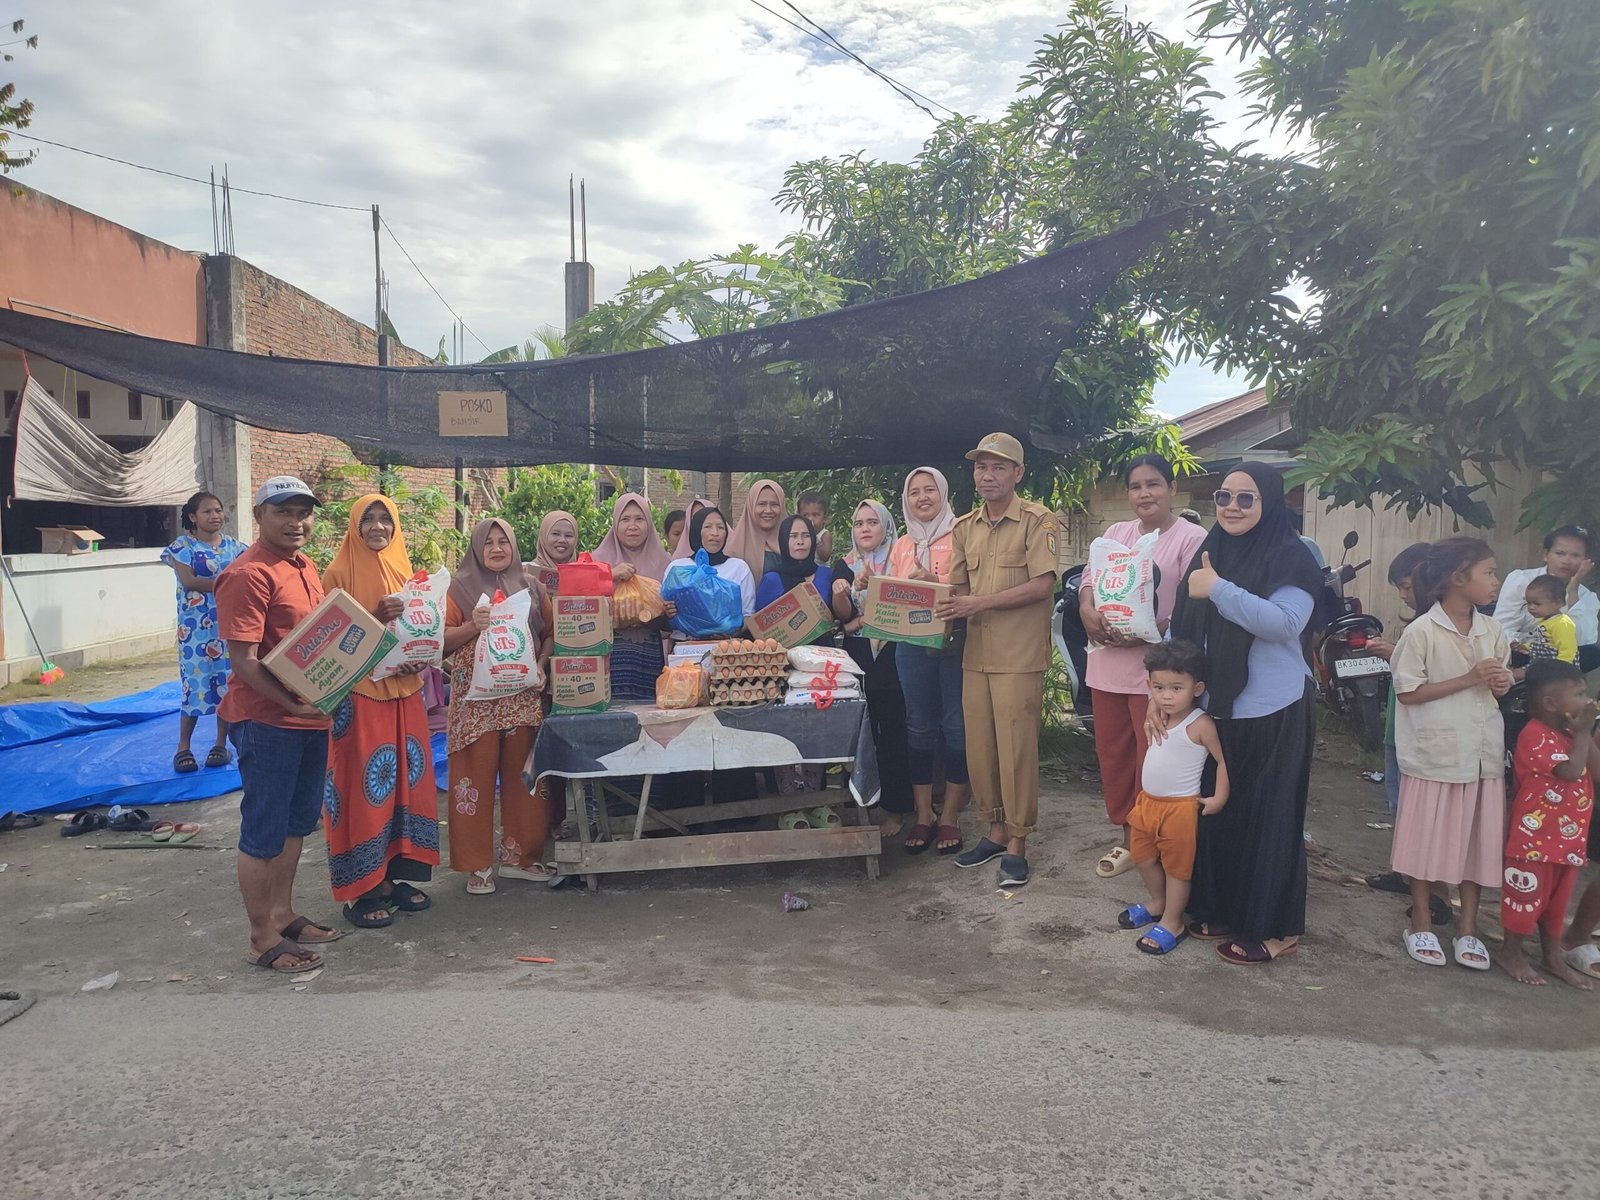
(797, 547)
(1247, 600)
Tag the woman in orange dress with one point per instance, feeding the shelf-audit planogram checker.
(381, 805)
(489, 740)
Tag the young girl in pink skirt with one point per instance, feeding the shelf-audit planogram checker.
(1450, 668)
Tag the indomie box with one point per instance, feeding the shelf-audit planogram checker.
(329, 652)
(582, 624)
(901, 610)
(580, 683)
(68, 539)
(796, 618)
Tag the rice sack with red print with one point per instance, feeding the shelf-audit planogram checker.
(419, 629)
(1125, 585)
(506, 660)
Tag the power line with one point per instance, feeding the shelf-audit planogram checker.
(826, 38)
(429, 282)
(188, 178)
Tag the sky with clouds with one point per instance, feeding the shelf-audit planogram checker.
(464, 122)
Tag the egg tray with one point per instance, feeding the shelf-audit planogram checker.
(744, 694)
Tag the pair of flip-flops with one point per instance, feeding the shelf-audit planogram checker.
(174, 832)
(1470, 952)
(1156, 939)
(373, 911)
(811, 818)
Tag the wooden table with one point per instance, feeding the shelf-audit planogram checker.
(640, 740)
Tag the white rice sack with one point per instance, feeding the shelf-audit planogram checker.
(805, 697)
(506, 660)
(419, 630)
(814, 660)
(1125, 585)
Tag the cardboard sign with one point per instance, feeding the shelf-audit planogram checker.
(796, 618)
(901, 610)
(582, 624)
(329, 652)
(473, 414)
(68, 539)
(579, 683)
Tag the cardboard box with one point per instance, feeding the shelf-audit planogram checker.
(330, 652)
(901, 610)
(796, 618)
(580, 683)
(582, 624)
(68, 539)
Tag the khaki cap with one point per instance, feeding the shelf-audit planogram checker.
(1002, 445)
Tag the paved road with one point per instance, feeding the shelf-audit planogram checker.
(526, 1090)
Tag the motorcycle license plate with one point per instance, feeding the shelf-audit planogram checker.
(1354, 668)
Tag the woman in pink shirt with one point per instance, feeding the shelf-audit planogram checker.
(931, 679)
(1116, 674)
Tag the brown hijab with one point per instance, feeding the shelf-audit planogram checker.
(649, 560)
(473, 579)
(749, 543)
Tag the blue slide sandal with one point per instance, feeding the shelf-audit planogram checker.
(1165, 940)
(1135, 916)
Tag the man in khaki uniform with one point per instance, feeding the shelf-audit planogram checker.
(1003, 571)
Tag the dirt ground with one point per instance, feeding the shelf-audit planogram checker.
(925, 936)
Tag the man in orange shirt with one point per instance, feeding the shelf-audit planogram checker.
(282, 741)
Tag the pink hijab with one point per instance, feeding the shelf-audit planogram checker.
(650, 559)
(749, 543)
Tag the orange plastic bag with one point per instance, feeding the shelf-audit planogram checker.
(684, 685)
(636, 601)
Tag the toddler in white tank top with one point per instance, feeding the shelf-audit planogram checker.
(1164, 824)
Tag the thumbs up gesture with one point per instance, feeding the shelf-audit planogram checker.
(1203, 578)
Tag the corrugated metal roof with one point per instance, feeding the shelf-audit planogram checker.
(1213, 416)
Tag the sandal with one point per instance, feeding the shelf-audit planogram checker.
(369, 912)
(175, 832)
(1204, 932)
(918, 838)
(1249, 954)
(409, 899)
(84, 822)
(538, 873)
(947, 839)
(481, 883)
(1425, 948)
(1114, 862)
(795, 820)
(219, 757)
(1158, 939)
(824, 817)
(14, 820)
(297, 927)
(131, 820)
(1137, 916)
(1585, 960)
(183, 762)
(301, 958)
(1469, 944)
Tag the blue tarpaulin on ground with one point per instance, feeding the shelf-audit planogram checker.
(57, 756)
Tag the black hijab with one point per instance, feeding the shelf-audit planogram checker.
(697, 528)
(1268, 557)
(795, 571)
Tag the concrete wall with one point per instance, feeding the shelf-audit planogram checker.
(87, 607)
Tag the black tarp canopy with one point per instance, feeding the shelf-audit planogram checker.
(915, 378)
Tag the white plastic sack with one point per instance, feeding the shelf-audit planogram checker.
(807, 697)
(814, 660)
(1125, 585)
(419, 630)
(506, 660)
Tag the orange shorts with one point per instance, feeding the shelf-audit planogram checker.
(1164, 827)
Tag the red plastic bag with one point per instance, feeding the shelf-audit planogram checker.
(584, 577)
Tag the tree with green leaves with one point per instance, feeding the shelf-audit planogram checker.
(1450, 195)
(14, 113)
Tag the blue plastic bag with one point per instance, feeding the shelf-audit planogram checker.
(708, 604)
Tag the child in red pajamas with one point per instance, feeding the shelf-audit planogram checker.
(1555, 763)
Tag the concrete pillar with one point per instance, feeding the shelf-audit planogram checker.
(223, 444)
(580, 291)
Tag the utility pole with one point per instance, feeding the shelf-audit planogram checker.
(377, 290)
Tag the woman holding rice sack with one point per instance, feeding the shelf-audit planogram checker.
(489, 740)
(381, 805)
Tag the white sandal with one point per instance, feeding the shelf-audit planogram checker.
(1585, 960)
(1420, 945)
(1114, 862)
(481, 883)
(1468, 944)
(538, 873)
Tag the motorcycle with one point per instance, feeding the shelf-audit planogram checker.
(1072, 644)
(1351, 680)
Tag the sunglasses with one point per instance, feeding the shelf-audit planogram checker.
(1226, 499)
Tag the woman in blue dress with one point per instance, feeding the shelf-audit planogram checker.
(197, 558)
